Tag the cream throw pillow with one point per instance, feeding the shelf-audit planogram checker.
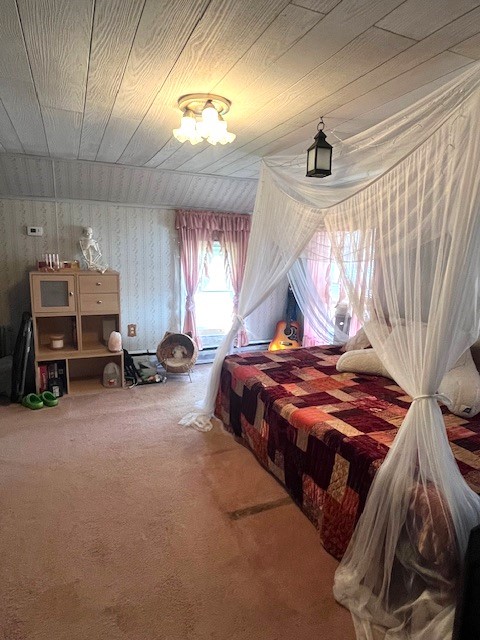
(362, 361)
(461, 384)
(358, 341)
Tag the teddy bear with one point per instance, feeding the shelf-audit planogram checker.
(179, 352)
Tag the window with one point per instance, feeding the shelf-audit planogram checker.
(197, 231)
(214, 299)
(328, 312)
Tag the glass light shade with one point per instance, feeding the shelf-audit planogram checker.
(203, 129)
(229, 137)
(221, 124)
(219, 133)
(319, 157)
(215, 133)
(208, 123)
(187, 130)
(209, 113)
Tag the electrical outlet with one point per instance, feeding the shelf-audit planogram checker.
(132, 330)
(34, 231)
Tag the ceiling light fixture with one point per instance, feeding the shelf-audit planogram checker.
(319, 155)
(202, 119)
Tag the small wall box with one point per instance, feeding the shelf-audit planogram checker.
(34, 231)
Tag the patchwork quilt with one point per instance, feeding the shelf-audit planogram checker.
(322, 433)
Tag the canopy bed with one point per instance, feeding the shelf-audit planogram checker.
(401, 212)
(324, 434)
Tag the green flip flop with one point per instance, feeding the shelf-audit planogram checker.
(49, 400)
(32, 401)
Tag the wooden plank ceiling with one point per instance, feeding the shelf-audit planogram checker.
(97, 81)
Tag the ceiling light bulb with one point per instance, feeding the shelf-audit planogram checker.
(209, 113)
(188, 121)
(202, 119)
(220, 133)
(203, 129)
(216, 131)
(187, 130)
(187, 126)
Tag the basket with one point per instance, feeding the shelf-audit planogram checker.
(177, 352)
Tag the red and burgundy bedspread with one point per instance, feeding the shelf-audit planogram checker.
(322, 433)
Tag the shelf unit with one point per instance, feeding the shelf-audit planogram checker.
(83, 307)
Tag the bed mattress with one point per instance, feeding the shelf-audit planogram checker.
(323, 434)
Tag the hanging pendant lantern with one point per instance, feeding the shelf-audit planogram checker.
(319, 155)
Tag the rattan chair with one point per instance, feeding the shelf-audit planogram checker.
(177, 353)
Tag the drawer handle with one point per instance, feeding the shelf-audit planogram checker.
(99, 284)
(70, 293)
(99, 302)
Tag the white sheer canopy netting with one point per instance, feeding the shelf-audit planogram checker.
(402, 213)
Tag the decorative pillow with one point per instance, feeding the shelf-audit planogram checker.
(362, 361)
(462, 386)
(358, 341)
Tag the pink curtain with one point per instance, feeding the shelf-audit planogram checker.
(193, 246)
(318, 318)
(197, 230)
(235, 242)
(320, 273)
(321, 269)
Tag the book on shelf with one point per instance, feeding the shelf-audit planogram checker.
(57, 378)
(42, 377)
(52, 370)
(62, 376)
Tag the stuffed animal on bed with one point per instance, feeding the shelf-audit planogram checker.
(461, 384)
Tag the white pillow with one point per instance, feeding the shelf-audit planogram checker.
(362, 361)
(462, 386)
(358, 341)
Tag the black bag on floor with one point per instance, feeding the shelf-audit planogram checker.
(131, 374)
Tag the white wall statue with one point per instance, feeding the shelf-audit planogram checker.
(91, 251)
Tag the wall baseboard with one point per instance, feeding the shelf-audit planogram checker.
(208, 353)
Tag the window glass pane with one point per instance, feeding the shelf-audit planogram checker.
(214, 299)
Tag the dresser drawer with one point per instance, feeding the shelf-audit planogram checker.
(98, 283)
(99, 303)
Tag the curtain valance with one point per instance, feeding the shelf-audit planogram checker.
(212, 220)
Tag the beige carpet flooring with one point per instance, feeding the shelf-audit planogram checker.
(116, 523)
